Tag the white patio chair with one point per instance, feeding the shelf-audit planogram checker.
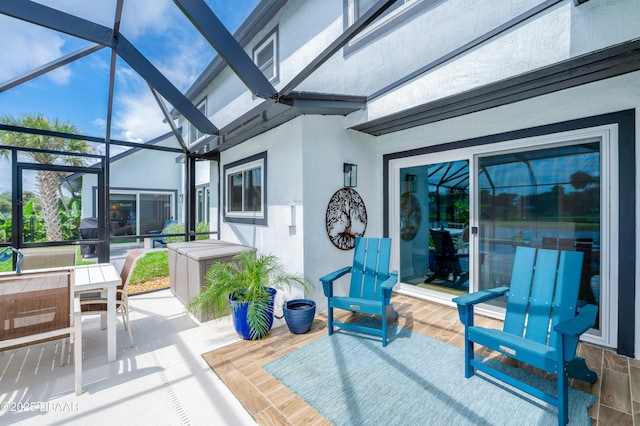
(98, 305)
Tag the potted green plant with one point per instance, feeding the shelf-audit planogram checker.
(247, 286)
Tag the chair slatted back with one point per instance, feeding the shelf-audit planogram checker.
(34, 303)
(443, 242)
(127, 269)
(565, 302)
(370, 267)
(543, 292)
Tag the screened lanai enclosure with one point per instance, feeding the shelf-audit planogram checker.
(546, 197)
(61, 186)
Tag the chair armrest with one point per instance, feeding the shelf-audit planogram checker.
(480, 296)
(327, 280)
(335, 275)
(585, 319)
(155, 231)
(388, 284)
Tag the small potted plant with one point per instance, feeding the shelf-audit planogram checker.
(247, 286)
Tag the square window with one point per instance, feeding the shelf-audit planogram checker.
(265, 56)
(194, 133)
(245, 192)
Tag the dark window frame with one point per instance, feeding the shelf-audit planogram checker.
(405, 14)
(240, 218)
(262, 45)
(626, 122)
(194, 133)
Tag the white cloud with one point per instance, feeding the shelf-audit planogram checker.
(138, 117)
(141, 16)
(100, 123)
(101, 12)
(25, 47)
(156, 27)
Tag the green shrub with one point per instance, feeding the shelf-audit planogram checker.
(178, 228)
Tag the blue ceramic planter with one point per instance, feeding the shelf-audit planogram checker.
(239, 317)
(299, 315)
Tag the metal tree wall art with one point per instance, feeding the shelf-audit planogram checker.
(346, 218)
(410, 216)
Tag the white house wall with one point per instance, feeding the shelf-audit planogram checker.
(305, 28)
(304, 169)
(326, 146)
(560, 33)
(428, 35)
(284, 188)
(142, 170)
(601, 97)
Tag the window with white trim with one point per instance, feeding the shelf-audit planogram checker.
(245, 191)
(203, 201)
(360, 7)
(398, 13)
(265, 56)
(194, 133)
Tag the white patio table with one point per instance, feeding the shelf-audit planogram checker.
(101, 277)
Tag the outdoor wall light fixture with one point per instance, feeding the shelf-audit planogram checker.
(350, 175)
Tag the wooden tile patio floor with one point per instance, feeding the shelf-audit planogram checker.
(270, 403)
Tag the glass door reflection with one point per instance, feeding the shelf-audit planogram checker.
(434, 226)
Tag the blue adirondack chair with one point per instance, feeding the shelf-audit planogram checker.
(544, 296)
(370, 289)
(161, 241)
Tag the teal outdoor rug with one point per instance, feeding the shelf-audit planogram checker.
(352, 380)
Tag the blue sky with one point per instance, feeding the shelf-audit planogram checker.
(78, 92)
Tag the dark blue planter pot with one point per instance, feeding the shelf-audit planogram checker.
(239, 317)
(299, 315)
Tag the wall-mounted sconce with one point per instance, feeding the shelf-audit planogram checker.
(410, 183)
(350, 175)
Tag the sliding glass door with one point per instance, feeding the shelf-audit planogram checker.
(457, 217)
(434, 225)
(545, 198)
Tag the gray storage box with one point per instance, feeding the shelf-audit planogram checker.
(190, 261)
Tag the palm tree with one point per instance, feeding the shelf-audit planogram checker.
(48, 182)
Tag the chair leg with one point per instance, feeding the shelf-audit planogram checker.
(468, 356)
(125, 318)
(563, 396)
(77, 353)
(62, 350)
(330, 319)
(384, 326)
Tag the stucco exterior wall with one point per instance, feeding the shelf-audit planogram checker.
(284, 188)
(143, 169)
(560, 32)
(326, 146)
(304, 169)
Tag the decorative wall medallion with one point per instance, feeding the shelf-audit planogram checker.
(346, 218)
(410, 216)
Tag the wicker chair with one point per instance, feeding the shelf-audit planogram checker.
(98, 305)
